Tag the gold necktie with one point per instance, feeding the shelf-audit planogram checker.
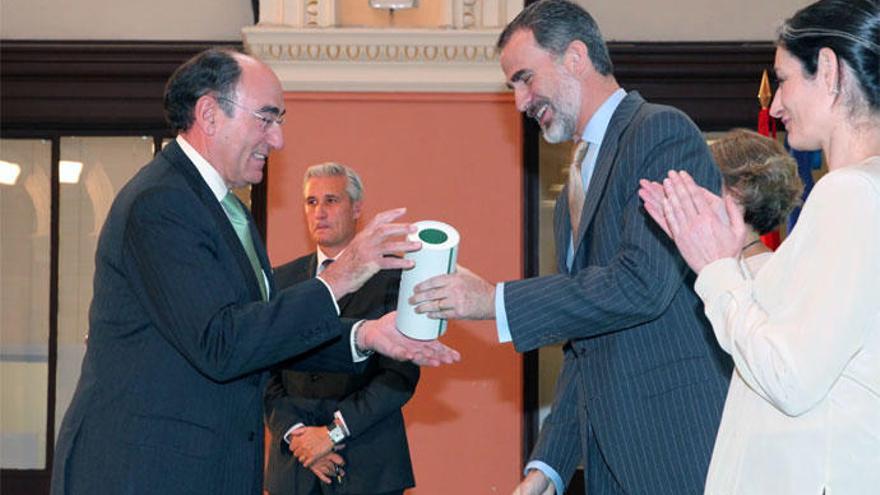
(576, 186)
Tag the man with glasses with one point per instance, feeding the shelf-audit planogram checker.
(185, 315)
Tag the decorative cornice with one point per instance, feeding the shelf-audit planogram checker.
(354, 59)
(116, 88)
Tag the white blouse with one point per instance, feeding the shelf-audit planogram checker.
(803, 410)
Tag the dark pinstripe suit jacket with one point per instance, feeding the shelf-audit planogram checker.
(377, 454)
(641, 365)
(169, 400)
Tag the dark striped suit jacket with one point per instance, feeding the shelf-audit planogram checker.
(642, 377)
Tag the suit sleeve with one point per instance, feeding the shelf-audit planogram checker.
(388, 391)
(280, 412)
(558, 443)
(394, 383)
(639, 282)
(180, 268)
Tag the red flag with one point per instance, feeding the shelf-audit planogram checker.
(767, 127)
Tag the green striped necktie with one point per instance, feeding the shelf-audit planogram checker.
(235, 212)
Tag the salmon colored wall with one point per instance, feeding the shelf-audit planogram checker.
(449, 157)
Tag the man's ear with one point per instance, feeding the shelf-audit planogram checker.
(576, 57)
(205, 114)
(356, 208)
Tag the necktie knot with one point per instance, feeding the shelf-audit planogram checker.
(325, 264)
(580, 151)
(233, 209)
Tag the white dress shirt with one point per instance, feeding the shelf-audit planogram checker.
(215, 182)
(803, 412)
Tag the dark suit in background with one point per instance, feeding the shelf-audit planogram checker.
(169, 400)
(377, 455)
(643, 382)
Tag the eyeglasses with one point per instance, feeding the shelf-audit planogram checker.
(266, 121)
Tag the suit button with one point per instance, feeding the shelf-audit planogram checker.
(315, 378)
(251, 436)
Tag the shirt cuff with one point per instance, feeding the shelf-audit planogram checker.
(717, 277)
(338, 416)
(291, 430)
(332, 295)
(501, 315)
(356, 355)
(548, 472)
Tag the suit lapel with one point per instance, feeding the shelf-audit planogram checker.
(182, 164)
(311, 267)
(562, 230)
(605, 161)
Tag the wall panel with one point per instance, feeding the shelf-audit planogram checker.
(454, 158)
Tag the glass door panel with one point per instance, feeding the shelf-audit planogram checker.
(25, 244)
(92, 170)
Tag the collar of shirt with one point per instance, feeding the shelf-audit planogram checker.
(594, 132)
(209, 174)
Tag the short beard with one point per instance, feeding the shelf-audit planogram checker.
(561, 129)
(565, 110)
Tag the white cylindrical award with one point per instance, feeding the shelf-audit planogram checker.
(437, 257)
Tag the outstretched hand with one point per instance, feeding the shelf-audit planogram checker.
(383, 337)
(461, 295)
(371, 250)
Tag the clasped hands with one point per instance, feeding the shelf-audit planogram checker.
(704, 227)
(312, 447)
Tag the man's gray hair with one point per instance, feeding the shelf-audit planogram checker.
(354, 187)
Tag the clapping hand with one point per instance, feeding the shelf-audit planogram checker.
(703, 226)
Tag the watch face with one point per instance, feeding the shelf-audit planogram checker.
(336, 434)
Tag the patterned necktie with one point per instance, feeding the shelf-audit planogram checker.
(239, 220)
(324, 265)
(576, 186)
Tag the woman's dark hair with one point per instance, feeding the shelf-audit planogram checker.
(215, 70)
(555, 24)
(851, 28)
(761, 175)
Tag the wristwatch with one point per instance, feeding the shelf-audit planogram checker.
(336, 433)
